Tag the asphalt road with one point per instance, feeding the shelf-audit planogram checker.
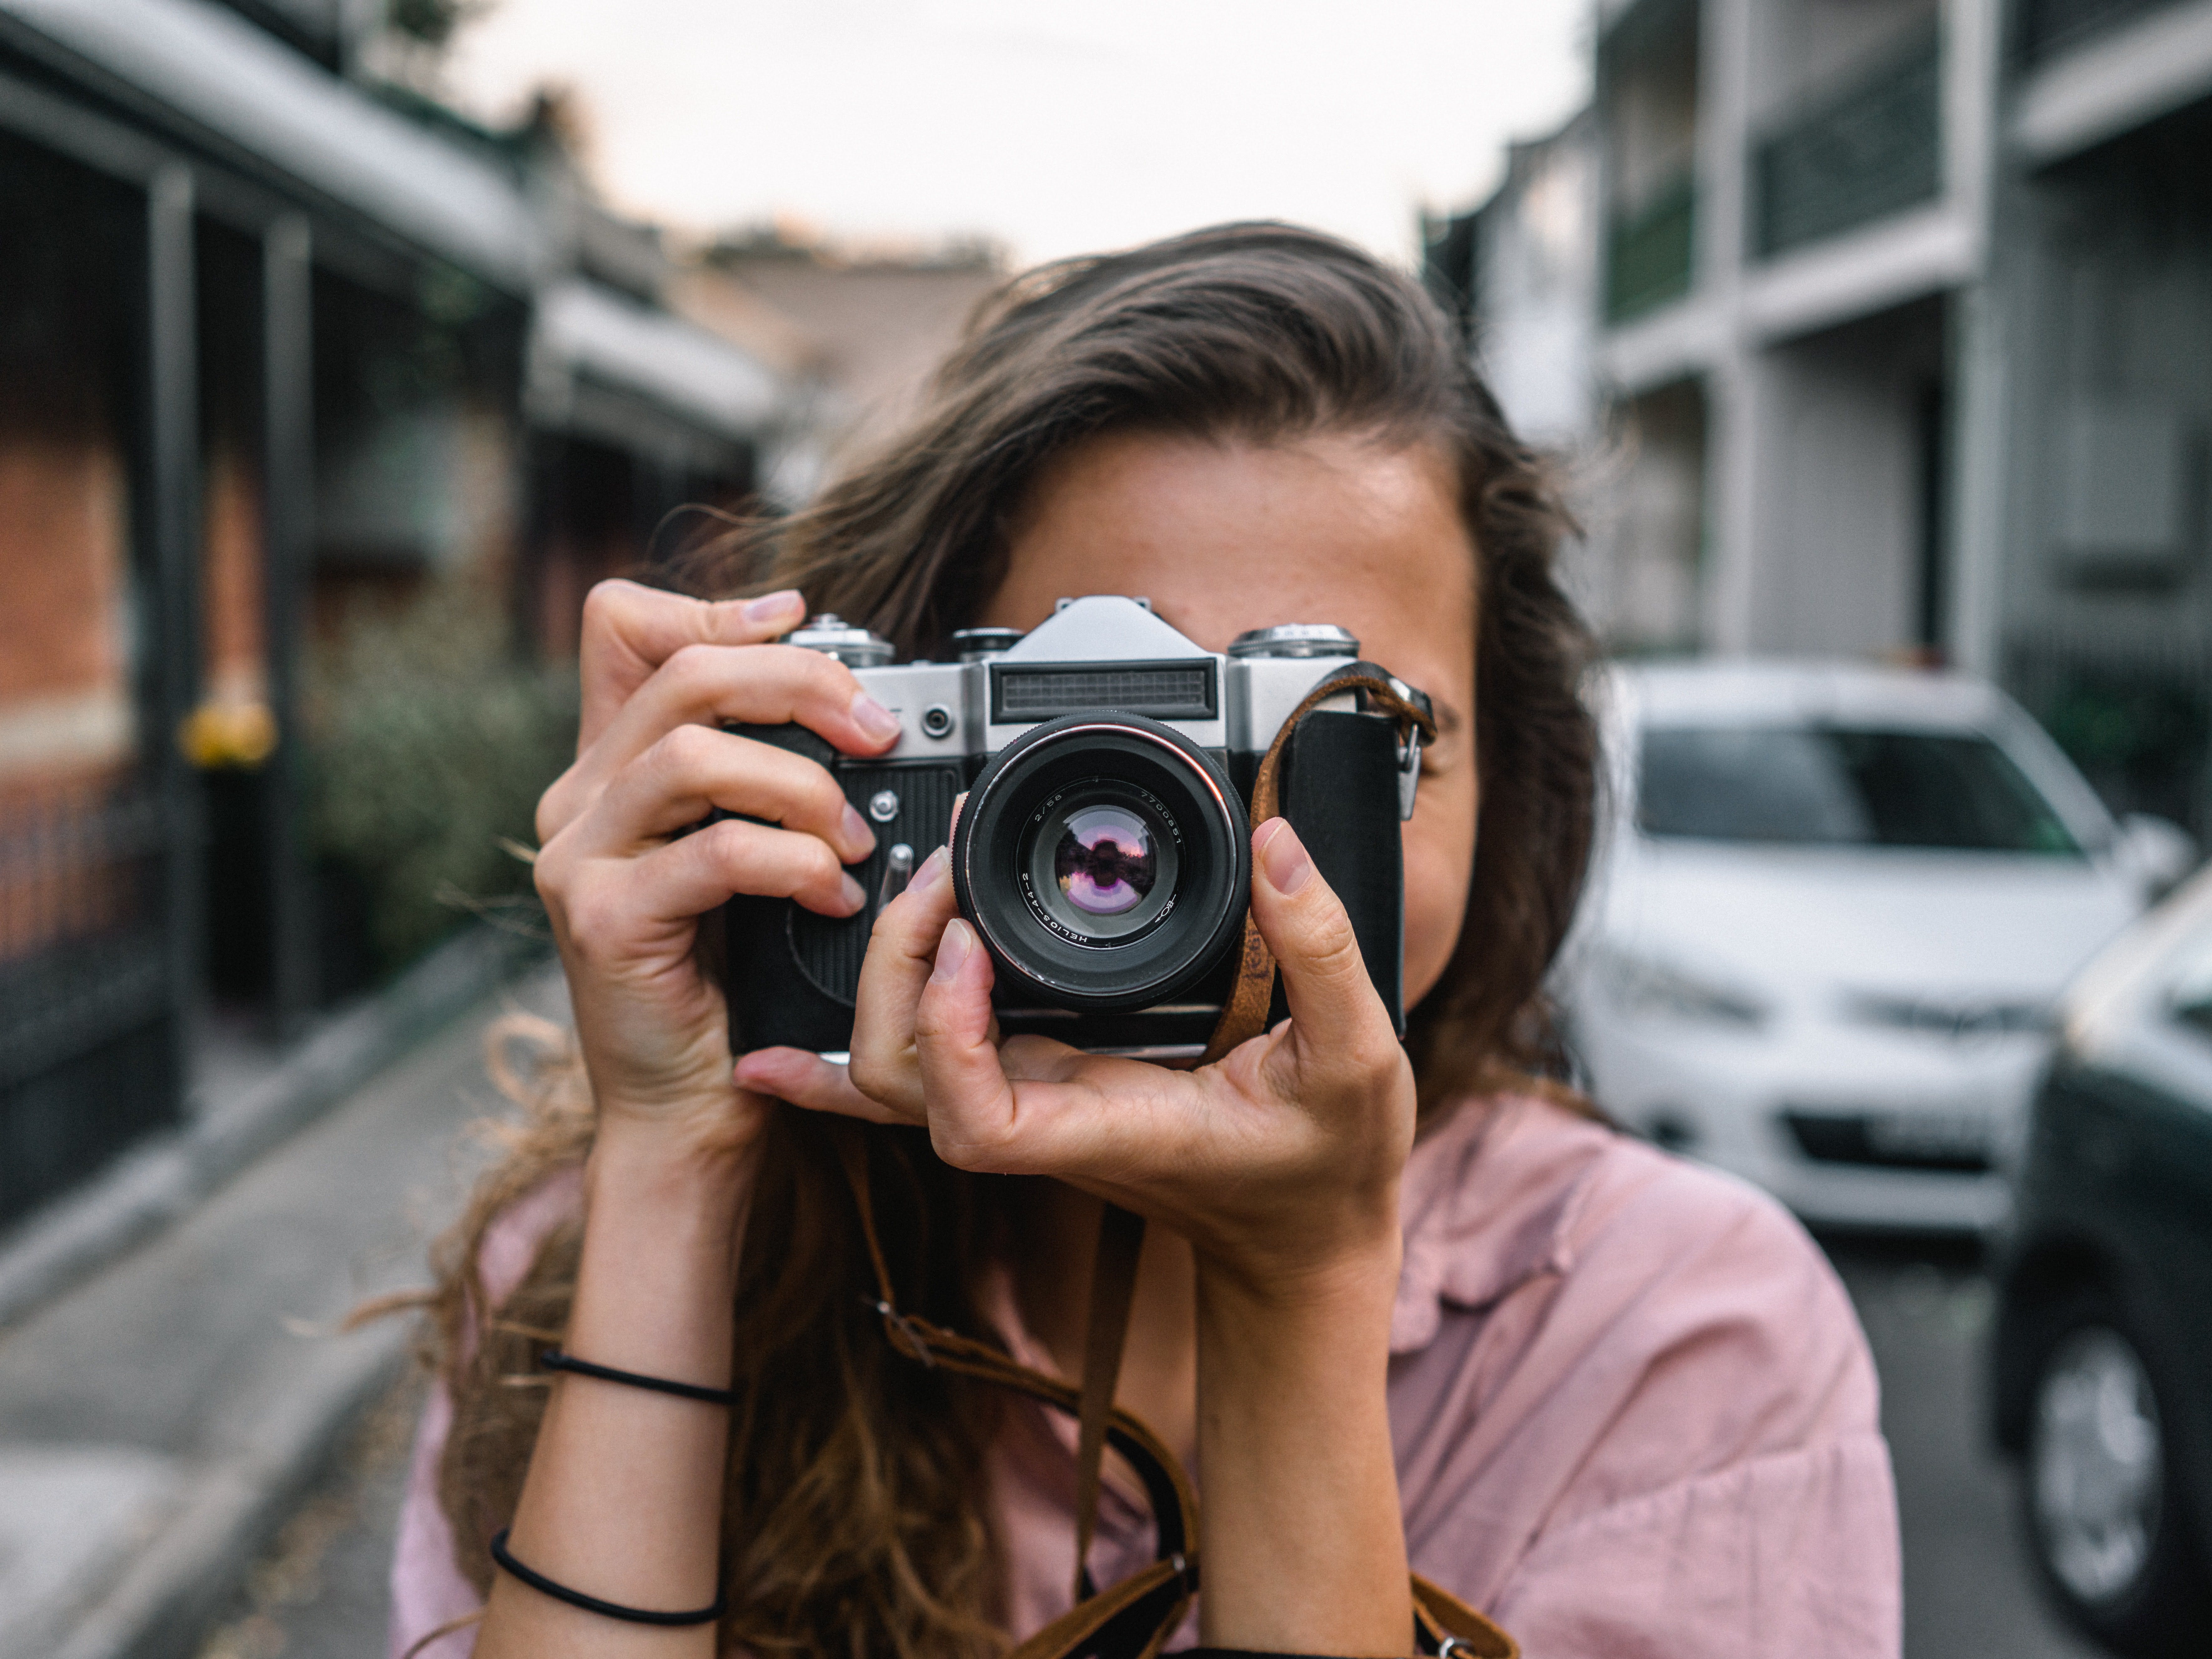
(1968, 1591)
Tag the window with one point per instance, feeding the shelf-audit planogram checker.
(1843, 787)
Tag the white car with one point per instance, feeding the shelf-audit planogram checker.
(1830, 909)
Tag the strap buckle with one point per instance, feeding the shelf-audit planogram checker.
(1409, 771)
(1409, 746)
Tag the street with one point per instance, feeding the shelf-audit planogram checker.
(1969, 1590)
(1969, 1593)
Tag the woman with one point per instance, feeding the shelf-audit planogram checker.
(1399, 1305)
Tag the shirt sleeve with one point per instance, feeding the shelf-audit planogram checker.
(427, 1590)
(1794, 1553)
(1663, 1437)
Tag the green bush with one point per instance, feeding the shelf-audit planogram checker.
(429, 743)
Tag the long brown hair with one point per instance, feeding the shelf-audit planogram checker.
(854, 1515)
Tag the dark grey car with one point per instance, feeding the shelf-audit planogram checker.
(2102, 1362)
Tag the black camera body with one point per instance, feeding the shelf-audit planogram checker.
(1103, 850)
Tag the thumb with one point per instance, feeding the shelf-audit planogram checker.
(1334, 1008)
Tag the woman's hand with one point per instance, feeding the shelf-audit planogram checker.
(626, 889)
(1279, 1163)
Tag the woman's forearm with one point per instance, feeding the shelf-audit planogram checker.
(1302, 1546)
(623, 1498)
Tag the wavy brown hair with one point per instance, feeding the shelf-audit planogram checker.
(854, 1515)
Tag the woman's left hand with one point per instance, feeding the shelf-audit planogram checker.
(1280, 1163)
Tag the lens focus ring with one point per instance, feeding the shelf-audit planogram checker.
(1103, 858)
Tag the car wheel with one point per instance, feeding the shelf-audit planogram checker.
(2106, 1508)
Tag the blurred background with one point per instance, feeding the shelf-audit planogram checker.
(345, 343)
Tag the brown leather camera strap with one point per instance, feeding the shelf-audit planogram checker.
(1113, 1285)
(1133, 1617)
(1244, 1015)
(1099, 1422)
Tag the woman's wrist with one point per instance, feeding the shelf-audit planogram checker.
(1301, 1531)
(659, 1208)
(1354, 1256)
(694, 1160)
(1253, 1304)
(658, 1272)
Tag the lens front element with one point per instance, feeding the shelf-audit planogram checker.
(1102, 862)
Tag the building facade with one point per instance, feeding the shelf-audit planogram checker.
(277, 342)
(1901, 346)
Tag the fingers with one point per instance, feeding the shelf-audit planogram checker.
(713, 685)
(972, 1106)
(754, 685)
(686, 879)
(811, 1081)
(693, 770)
(1336, 1015)
(630, 630)
(902, 952)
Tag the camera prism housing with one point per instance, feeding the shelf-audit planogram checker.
(1104, 852)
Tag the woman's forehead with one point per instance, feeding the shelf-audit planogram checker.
(1226, 535)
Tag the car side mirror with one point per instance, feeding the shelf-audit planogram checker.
(2157, 850)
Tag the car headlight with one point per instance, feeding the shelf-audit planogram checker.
(1645, 989)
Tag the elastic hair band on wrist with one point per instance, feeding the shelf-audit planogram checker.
(539, 1581)
(554, 1360)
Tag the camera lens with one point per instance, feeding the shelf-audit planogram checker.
(1103, 858)
(1102, 864)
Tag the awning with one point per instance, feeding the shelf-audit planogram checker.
(594, 334)
(224, 82)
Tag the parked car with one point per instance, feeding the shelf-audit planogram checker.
(2102, 1365)
(1831, 908)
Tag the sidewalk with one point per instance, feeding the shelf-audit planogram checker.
(159, 1421)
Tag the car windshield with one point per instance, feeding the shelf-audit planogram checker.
(1828, 785)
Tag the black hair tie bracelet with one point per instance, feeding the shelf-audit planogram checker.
(539, 1581)
(554, 1360)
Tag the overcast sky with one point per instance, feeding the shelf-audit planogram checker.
(1051, 128)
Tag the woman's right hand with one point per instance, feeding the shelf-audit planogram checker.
(625, 888)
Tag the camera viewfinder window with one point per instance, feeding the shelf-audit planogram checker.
(1837, 786)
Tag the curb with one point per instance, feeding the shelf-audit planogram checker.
(164, 1605)
(152, 1186)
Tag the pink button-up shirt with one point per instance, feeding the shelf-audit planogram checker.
(1633, 1412)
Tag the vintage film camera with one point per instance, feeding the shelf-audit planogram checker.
(1104, 854)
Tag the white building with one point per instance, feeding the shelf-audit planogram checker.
(1902, 319)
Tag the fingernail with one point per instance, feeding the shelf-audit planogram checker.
(932, 867)
(770, 606)
(856, 828)
(872, 718)
(1283, 857)
(855, 896)
(958, 941)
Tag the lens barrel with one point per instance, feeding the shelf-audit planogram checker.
(1105, 859)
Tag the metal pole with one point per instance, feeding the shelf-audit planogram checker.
(173, 511)
(288, 462)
